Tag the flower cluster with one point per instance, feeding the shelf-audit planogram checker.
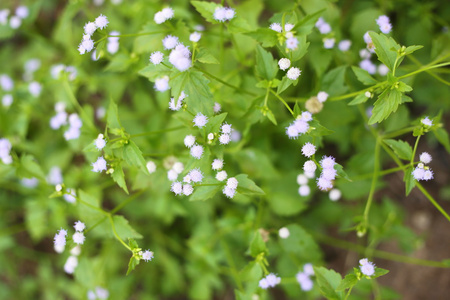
(5, 150)
(293, 73)
(325, 181)
(98, 293)
(87, 44)
(186, 188)
(426, 122)
(230, 188)
(99, 165)
(61, 118)
(367, 267)
(15, 21)
(223, 14)
(328, 41)
(176, 169)
(304, 278)
(163, 15)
(366, 63)
(177, 106)
(423, 172)
(299, 126)
(384, 24)
(56, 71)
(113, 42)
(270, 280)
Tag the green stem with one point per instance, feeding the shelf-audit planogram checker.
(429, 197)
(392, 134)
(122, 205)
(230, 262)
(374, 182)
(115, 233)
(267, 94)
(349, 292)
(77, 105)
(137, 34)
(424, 69)
(284, 102)
(437, 77)
(223, 82)
(156, 131)
(414, 150)
(92, 206)
(380, 174)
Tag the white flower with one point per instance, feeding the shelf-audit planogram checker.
(292, 43)
(335, 195)
(328, 43)
(368, 65)
(220, 14)
(178, 167)
(344, 45)
(382, 20)
(327, 162)
(306, 116)
(175, 106)
(284, 63)
(310, 174)
(162, 84)
(368, 94)
(6, 82)
(172, 175)
(226, 128)
(15, 22)
(276, 27)
(71, 264)
(200, 120)
(159, 17)
(217, 164)
(101, 21)
(187, 189)
(367, 38)
(319, 22)
(329, 174)
(427, 122)
(168, 13)
(70, 196)
(195, 37)
(306, 284)
(229, 13)
(169, 42)
(425, 157)
(99, 165)
(224, 139)
(180, 57)
(302, 179)
(189, 141)
(324, 184)
(78, 238)
(364, 54)
(4, 16)
(100, 142)
(7, 100)
(367, 267)
(263, 284)
(196, 175)
(79, 226)
(217, 108)
(284, 233)
(322, 96)
(293, 73)
(22, 11)
(147, 255)
(308, 150)
(221, 176)
(60, 238)
(87, 44)
(197, 151)
(176, 187)
(428, 174)
(210, 136)
(151, 167)
(292, 132)
(273, 280)
(112, 47)
(304, 190)
(288, 27)
(101, 293)
(324, 28)
(301, 125)
(90, 28)
(55, 176)
(229, 192)
(72, 133)
(232, 183)
(383, 69)
(75, 251)
(156, 57)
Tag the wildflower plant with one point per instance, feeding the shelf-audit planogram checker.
(205, 148)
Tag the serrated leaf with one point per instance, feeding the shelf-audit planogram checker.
(30, 168)
(133, 156)
(340, 171)
(271, 117)
(132, 264)
(285, 83)
(257, 245)
(403, 87)
(442, 136)
(318, 130)
(124, 229)
(409, 180)
(246, 186)
(383, 46)
(202, 193)
(266, 66)
(119, 177)
(239, 25)
(401, 148)
(306, 24)
(214, 123)
(334, 81)
(328, 281)
(363, 76)
(412, 49)
(349, 281)
(132, 243)
(361, 98)
(206, 57)
(206, 9)
(387, 103)
(112, 116)
(267, 37)
(152, 72)
(379, 272)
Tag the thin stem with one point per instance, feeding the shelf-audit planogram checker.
(122, 205)
(223, 82)
(137, 34)
(267, 94)
(414, 150)
(437, 77)
(354, 94)
(424, 69)
(92, 206)
(374, 182)
(349, 292)
(429, 197)
(156, 131)
(392, 134)
(284, 102)
(80, 109)
(115, 233)
(380, 174)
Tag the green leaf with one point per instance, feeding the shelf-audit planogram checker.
(152, 72)
(133, 244)
(409, 180)
(271, 116)
(328, 281)
(306, 24)
(379, 272)
(401, 148)
(206, 9)
(412, 49)
(361, 98)
(363, 76)
(29, 168)
(317, 129)
(340, 171)
(387, 103)
(442, 136)
(266, 66)
(334, 81)
(349, 281)
(301, 50)
(133, 156)
(119, 63)
(301, 243)
(257, 245)
(251, 272)
(403, 87)
(239, 25)
(267, 37)
(206, 57)
(112, 117)
(285, 83)
(134, 261)
(247, 186)
(124, 229)
(202, 193)
(119, 177)
(88, 198)
(383, 46)
(214, 123)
